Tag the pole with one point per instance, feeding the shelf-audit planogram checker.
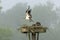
(29, 35)
(33, 36)
(37, 36)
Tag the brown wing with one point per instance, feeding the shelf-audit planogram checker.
(29, 13)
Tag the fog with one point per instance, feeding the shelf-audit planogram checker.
(45, 14)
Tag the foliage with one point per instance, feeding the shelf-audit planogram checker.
(44, 14)
(5, 34)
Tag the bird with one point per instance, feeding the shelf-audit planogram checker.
(28, 14)
(38, 24)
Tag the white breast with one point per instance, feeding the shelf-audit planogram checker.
(27, 16)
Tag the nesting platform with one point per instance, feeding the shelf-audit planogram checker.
(33, 29)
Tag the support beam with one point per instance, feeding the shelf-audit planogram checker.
(33, 36)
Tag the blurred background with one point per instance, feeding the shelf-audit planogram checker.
(12, 14)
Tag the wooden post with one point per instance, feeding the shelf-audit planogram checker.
(29, 36)
(33, 36)
(37, 36)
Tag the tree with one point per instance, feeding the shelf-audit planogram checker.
(44, 14)
(5, 34)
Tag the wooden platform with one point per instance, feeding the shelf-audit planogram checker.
(33, 29)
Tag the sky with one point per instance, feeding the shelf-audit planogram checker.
(7, 4)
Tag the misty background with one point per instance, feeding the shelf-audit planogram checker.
(47, 14)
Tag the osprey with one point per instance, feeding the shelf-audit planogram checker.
(28, 14)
